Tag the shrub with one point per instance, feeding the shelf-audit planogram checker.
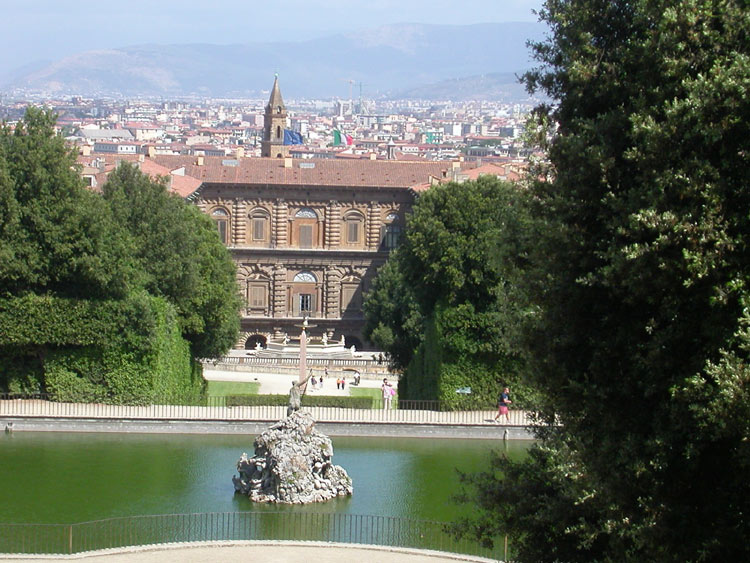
(307, 401)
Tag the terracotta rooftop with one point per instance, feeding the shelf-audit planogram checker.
(308, 172)
(180, 185)
(508, 171)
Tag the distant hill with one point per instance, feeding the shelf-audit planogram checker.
(499, 86)
(386, 60)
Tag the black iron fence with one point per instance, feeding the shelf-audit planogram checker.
(216, 408)
(239, 526)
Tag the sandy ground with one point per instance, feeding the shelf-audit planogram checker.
(279, 384)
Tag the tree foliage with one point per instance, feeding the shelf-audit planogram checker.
(54, 235)
(103, 298)
(179, 256)
(446, 305)
(642, 345)
(392, 317)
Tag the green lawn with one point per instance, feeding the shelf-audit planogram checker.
(224, 388)
(365, 392)
(373, 392)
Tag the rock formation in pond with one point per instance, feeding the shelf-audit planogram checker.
(292, 465)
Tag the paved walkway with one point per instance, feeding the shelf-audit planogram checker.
(279, 383)
(407, 413)
(267, 553)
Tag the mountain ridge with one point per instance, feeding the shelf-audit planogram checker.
(387, 60)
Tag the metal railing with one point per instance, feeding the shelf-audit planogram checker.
(215, 408)
(238, 526)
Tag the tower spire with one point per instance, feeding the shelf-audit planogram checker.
(274, 123)
(276, 102)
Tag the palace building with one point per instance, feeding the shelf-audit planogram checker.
(307, 235)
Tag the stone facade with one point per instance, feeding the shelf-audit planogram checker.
(310, 253)
(307, 235)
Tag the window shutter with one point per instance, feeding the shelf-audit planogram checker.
(352, 232)
(222, 226)
(259, 229)
(257, 296)
(305, 236)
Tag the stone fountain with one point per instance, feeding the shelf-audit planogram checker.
(292, 465)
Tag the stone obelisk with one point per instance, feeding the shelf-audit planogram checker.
(303, 351)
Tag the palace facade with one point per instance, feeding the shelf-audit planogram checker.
(307, 235)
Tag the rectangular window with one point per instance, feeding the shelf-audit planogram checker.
(259, 229)
(222, 226)
(305, 236)
(305, 303)
(352, 232)
(392, 236)
(350, 299)
(257, 297)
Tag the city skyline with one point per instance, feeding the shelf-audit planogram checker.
(48, 30)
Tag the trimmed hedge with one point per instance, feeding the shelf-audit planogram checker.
(307, 401)
(57, 321)
(129, 351)
(436, 374)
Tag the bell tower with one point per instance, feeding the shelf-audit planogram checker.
(274, 123)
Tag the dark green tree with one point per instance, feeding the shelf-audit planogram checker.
(56, 236)
(392, 316)
(103, 298)
(641, 348)
(179, 256)
(447, 304)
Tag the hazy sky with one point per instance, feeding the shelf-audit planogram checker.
(34, 30)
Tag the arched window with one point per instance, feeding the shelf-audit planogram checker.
(222, 223)
(304, 295)
(306, 213)
(259, 226)
(353, 227)
(305, 277)
(278, 131)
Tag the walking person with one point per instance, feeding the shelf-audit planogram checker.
(503, 403)
(388, 393)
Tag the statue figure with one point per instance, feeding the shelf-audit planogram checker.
(258, 345)
(286, 339)
(295, 394)
(325, 338)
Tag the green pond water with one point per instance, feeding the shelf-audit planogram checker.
(51, 477)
